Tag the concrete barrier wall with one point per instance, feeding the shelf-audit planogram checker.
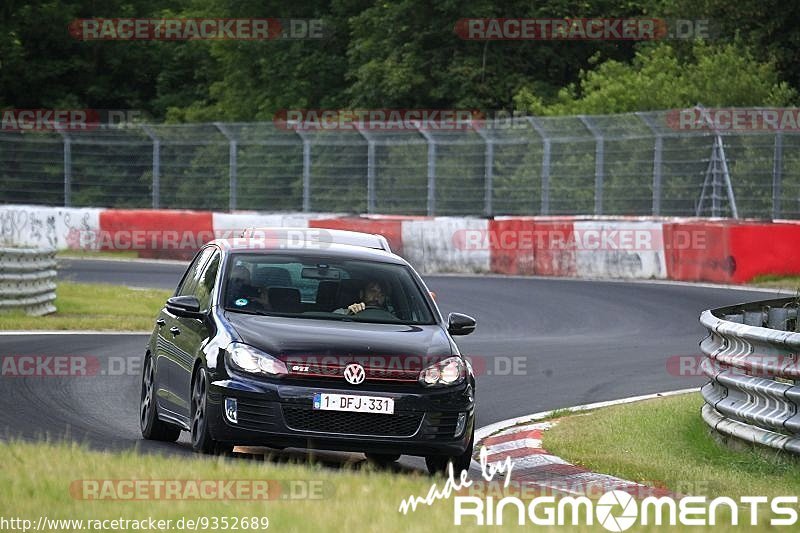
(587, 247)
(433, 245)
(38, 226)
(232, 224)
(619, 249)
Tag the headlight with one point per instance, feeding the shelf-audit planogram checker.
(244, 358)
(449, 371)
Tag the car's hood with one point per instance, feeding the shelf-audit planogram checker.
(292, 337)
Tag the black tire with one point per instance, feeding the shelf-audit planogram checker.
(152, 427)
(382, 459)
(201, 434)
(437, 464)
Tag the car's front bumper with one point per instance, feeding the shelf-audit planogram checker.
(280, 415)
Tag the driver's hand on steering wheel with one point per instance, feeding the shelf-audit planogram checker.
(352, 309)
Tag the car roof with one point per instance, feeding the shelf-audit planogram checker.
(325, 235)
(289, 241)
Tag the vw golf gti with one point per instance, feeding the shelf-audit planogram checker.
(319, 339)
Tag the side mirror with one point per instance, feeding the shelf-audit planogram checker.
(458, 324)
(184, 306)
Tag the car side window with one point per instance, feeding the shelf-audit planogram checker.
(206, 281)
(190, 279)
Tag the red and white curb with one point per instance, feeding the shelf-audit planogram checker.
(521, 440)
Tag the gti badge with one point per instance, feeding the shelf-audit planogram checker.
(354, 373)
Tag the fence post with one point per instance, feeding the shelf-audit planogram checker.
(545, 192)
(488, 171)
(67, 168)
(599, 155)
(658, 151)
(431, 170)
(370, 170)
(306, 169)
(232, 165)
(777, 174)
(156, 164)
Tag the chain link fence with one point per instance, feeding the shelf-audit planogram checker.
(628, 164)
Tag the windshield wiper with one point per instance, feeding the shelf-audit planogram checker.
(246, 311)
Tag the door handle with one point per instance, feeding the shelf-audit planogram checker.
(174, 331)
(160, 322)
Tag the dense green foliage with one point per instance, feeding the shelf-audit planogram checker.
(395, 54)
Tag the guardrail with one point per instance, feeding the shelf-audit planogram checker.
(27, 280)
(751, 358)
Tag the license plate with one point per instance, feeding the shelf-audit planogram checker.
(353, 403)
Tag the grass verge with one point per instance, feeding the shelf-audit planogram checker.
(791, 283)
(664, 442)
(97, 254)
(54, 482)
(46, 479)
(89, 306)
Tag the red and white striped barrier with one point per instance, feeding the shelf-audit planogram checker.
(586, 247)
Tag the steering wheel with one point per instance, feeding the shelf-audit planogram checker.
(375, 309)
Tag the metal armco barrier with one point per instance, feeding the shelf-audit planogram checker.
(751, 358)
(27, 280)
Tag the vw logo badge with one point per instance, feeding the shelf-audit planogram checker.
(354, 373)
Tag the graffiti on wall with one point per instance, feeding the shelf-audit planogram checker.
(44, 227)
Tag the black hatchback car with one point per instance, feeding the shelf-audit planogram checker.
(334, 344)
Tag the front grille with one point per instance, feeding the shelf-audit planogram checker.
(336, 371)
(344, 423)
(399, 375)
(371, 373)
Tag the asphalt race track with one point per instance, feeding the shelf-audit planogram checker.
(540, 344)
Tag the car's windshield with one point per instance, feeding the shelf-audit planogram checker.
(320, 287)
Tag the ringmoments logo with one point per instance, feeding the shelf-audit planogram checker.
(617, 510)
(614, 510)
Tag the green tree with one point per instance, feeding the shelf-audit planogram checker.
(723, 75)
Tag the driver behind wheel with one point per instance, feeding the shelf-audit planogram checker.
(373, 294)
